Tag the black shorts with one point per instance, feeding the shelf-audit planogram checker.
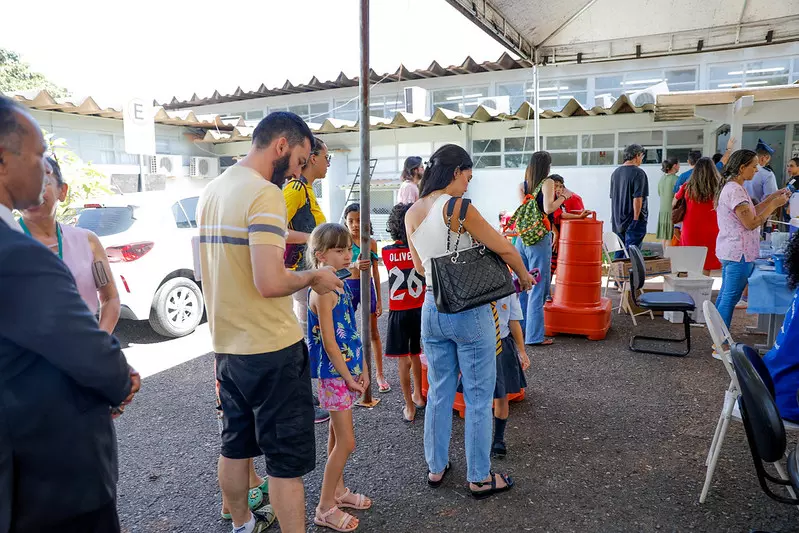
(267, 408)
(404, 333)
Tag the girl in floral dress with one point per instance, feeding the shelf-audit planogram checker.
(337, 361)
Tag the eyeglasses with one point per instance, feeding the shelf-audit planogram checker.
(328, 157)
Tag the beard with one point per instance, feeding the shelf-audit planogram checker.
(279, 169)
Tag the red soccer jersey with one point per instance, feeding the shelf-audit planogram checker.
(405, 285)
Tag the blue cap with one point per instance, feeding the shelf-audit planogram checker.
(763, 147)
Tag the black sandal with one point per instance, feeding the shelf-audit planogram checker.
(483, 494)
(436, 484)
(499, 450)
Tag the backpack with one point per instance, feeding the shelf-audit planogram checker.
(294, 255)
(531, 224)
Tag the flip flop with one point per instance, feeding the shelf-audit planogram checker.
(407, 420)
(436, 484)
(483, 494)
(545, 342)
(383, 386)
(341, 525)
(360, 501)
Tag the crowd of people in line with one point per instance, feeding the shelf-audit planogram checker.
(281, 286)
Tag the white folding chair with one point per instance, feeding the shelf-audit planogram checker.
(611, 243)
(730, 410)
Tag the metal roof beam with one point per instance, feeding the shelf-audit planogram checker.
(491, 20)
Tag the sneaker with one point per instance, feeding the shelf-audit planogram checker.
(264, 518)
(320, 415)
(742, 304)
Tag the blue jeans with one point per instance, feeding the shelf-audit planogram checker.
(734, 277)
(462, 342)
(632, 236)
(538, 256)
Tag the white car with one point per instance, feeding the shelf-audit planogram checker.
(147, 237)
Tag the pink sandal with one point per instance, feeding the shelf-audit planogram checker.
(360, 501)
(342, 525)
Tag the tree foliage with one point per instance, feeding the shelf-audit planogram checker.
(16, 75)
(84, 180)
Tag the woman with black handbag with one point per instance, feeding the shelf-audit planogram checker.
(459, 331)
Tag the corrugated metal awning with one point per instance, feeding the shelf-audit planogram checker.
(469, 66)
(89, 106)
(443, 117)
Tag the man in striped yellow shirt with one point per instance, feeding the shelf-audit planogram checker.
(262, 364)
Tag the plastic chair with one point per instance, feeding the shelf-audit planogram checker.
(765, 431)
(730, 410)
(659, 301)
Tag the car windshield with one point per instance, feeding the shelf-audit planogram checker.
(104, 221)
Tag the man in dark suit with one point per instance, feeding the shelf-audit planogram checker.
(59, 373)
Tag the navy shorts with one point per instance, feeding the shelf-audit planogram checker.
(355, 289)
(404, 333)
(267, 409)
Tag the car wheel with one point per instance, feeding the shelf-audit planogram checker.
(177, 308)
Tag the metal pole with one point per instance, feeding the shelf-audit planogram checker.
(366, 276)
(536, 118)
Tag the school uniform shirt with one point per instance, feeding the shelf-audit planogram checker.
(782, 362)
(761, 185)
(508, 309)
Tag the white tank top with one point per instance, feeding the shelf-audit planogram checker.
(430, 238)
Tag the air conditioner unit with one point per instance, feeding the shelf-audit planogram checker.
(415, 101)
(204, 167)
(604, 100)
(167, 165)
(499, 103)
(648, 95)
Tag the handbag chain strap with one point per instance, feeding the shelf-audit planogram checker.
(461, 218)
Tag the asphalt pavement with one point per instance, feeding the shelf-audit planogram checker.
(607, 440)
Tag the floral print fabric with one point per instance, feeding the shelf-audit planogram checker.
(349, 342)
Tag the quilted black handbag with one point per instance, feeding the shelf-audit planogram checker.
(465, 279)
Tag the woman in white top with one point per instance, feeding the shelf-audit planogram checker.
(79, 248)
(463, 342)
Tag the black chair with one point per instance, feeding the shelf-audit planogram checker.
(658, 301)
(765, 431)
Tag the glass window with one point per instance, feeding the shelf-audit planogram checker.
(162, 145)
(254, 115)
(681, 80)
(690, 138)
(463, 100)
(644, 138)
(599, 140)
(750, 74)
(488, 161)
(491, 145)
(562, 142)
(564, 159)
(190, 207)
(514, 93)
(387, 106)
(608, 85)
(796, 132)
(318, 112)
(105, 221)
(601, 157)
(346, 110)
(653, 156)
(680, 153)
(519, 144)
(517, 160)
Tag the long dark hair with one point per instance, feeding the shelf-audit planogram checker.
(738, 159)
(410, 164)
(440, 170)
(705, 181)
(537, 170)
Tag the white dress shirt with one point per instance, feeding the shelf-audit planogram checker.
(8, 218)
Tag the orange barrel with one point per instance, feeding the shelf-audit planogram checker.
(517, 397)
(577, 306)
(459, 404)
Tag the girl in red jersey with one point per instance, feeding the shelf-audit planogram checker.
(406, 295)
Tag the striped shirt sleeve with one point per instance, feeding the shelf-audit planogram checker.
(266, 219)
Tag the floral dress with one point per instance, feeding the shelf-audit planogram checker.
(334, 395)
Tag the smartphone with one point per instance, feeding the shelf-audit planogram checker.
(344, 273)
(792, 185)
(536, 277)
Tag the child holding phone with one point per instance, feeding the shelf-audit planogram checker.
(337, 361)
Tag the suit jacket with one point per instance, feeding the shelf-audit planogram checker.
(59, 376)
